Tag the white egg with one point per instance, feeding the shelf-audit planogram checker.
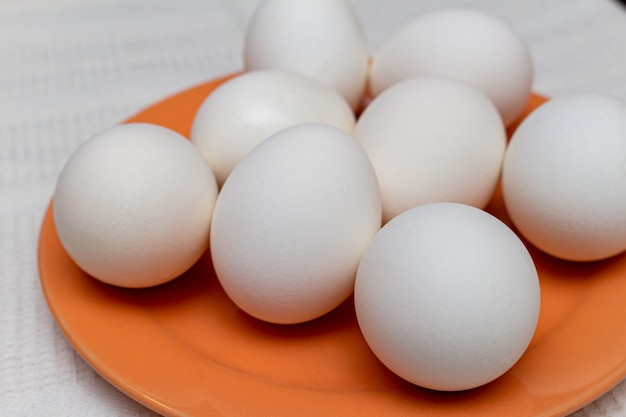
(319, 38)
(242, 112)
(447, 296)
(292, 221)
(432, 139)
(466, 44)
(564, 177)
(133, 205)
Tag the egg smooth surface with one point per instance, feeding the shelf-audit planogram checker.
(292, 221)
(564, 177)
(319, 38)
(470, 45)
(447, 296)
(242, 112)
(133, 205)
(432, 139)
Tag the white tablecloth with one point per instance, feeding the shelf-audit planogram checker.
(70, 68)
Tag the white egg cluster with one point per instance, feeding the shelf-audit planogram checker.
(309, 189)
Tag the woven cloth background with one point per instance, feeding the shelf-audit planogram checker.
(71, 68)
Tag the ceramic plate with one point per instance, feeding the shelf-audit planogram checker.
(184, 349)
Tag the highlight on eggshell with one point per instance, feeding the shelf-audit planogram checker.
(564, 177)
(432, 139)
(292, 222)
(133, 205)
(478, 48)
(447, 296)
(319, 38)
(246, 109)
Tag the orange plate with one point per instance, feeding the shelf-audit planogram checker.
(183, 349)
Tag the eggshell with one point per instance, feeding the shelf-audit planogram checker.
(447, 296)
(292, 221)
(564, 177)
(432, 139)
(319, 38)
(133, 205)
(470, 45)
(250, 107)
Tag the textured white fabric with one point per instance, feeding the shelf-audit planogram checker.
(70, 68)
